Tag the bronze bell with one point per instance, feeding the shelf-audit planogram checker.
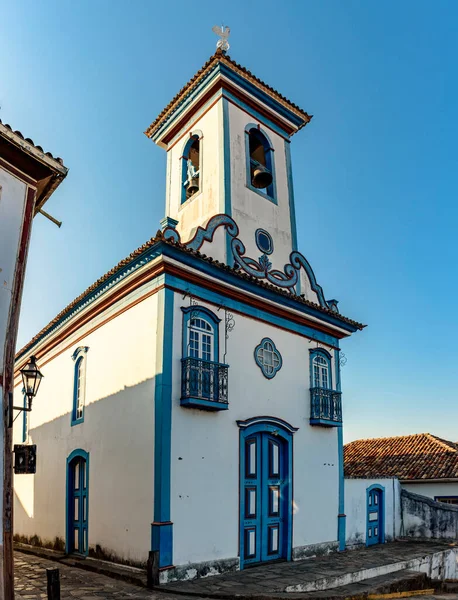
(193, 186)
(262, 177)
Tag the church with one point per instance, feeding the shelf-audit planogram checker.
(191, 402)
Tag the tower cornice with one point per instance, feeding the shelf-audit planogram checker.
(221, 72)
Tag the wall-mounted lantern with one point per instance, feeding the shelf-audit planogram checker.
(31, 378)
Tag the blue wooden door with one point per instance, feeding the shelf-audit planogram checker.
(78, 506)
(264, 481)
(374, 517)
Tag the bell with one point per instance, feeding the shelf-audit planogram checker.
(193, 186)
(262, 178)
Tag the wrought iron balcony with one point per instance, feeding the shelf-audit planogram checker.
(204, 384)
(326, 407)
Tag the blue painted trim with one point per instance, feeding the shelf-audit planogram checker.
(163, 541)
(197, 311)
(69, 495)
(341, 518)
(168, 222)
(159, 248)
(79, 357)
(325, 423)
(270, 160)
(286, 431)
(381, 511)
(207, 295)
(275, 351)
(269, 423)
(327, 356)
(227, 176)
(257, 233)
(253, 90)
(204, 404)
(292, 206)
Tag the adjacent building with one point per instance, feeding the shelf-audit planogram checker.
(28, 177)
(191, 402)
(423, 463)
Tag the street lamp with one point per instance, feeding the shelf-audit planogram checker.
(31, 378)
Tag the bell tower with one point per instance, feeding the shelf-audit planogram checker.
(227, 135)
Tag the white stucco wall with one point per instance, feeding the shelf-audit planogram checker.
(118, 433)
(207, 202)
(356, 509)
(431, 490)
(12, 203)
(205, 446)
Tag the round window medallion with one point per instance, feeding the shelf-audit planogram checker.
(264, 241)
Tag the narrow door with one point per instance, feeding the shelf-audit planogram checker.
(264, 482)
(78, 506)
(374, 517)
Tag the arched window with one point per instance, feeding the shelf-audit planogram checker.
(260, 162)
(321, 369)
(191, 168)
(79, 385)
(200, 334)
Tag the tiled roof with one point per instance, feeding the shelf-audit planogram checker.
(31, 142)
(220, 57)
(408, 457)
(150, 243)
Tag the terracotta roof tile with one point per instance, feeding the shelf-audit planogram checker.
(159, 238)
(219, 56)
(418, 456)
(31, 142)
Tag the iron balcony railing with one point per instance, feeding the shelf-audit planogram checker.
(326, 405)
(204, 380)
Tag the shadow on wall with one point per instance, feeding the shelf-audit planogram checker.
(118, 433)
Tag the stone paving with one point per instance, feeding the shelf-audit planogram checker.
(267, 581)
(30, 582)
(281, 577)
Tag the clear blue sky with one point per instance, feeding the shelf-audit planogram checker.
(376, 171)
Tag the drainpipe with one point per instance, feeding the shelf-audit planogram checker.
(341, 517)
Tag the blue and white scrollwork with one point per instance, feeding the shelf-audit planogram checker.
(260, 269)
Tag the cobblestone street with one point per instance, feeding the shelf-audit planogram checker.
(30, 582)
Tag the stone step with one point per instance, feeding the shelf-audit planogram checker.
(399, 581)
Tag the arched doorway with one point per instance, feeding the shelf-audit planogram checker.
(77, 503)
(375, 495)
(266, 490)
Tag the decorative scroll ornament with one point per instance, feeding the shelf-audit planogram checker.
(342, 359)
(223, 32)
(261, 268)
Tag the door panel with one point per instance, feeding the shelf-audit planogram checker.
(264, 493)
(77, 506)
(374, 521)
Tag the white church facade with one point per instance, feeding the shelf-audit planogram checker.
(191, 399)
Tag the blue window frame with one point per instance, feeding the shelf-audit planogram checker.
(320, 369)
(79, 385)
(191, 167)
(204, 380)
(200, 333)
(260, 163)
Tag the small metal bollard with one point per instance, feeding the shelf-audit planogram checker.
(53, 578)
(152, 570)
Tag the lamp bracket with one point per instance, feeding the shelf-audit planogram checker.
(10, 408)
